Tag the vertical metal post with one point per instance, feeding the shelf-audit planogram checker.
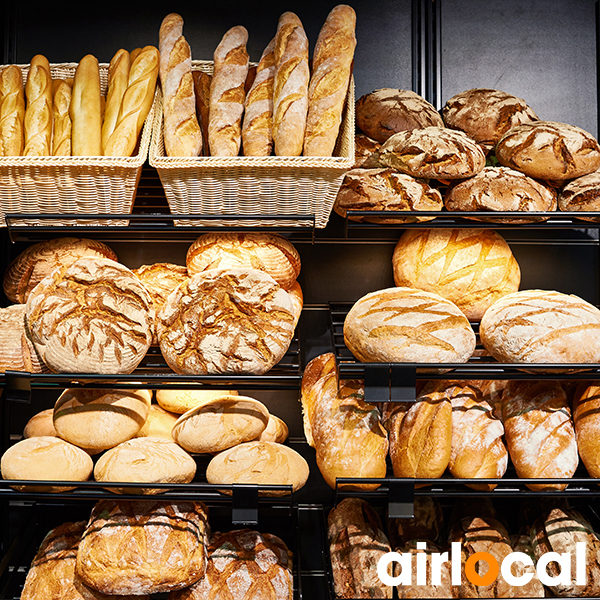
(426, 50)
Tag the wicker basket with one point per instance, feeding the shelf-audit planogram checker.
(303, 188)
(81, 185)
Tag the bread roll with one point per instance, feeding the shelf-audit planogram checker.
(221, 423)
(261, 463)
(541, 326)
(17, 352)
(180, 401)
(384, 112)
(225, 339)
(98, 419)
(158, 424)
(38, 112)
(470, 267)
(260, 558)
(331, 70)
(143, 547)
(145, 460)
(85, 109)
(581, 194)
(61, 116)
(12, 111)
(549, 150)
(40, 424)
(202, 92)
(356, 544)
(45, 458)
(95, 316)
(275, 431)
(118, 75)
(290, 89)
(407, 325)
(227, 93)
(586, 418)
(345, 431)
(39, 260)
(385, 189)
(268, 252)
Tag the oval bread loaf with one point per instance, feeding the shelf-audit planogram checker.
(40, 424)
(180, 401)
(586, 417)
(158, 424)
(581, 194)
(275, 431)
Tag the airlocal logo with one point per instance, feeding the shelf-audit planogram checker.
(404, 559)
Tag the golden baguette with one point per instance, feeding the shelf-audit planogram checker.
(38, 113)
(61, 102)
(118, 78)
(12, 111)
(86, 109)
(202, 92)
(133, 54)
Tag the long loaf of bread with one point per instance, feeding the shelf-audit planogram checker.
(135, 104)
(12, 111)
(118, 77)
(331, 70)
(202, 92)
(227, 93)
(61, 138)
(86, 109)
(290, 89)
(38, 113)
(257, 129)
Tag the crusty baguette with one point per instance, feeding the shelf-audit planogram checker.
(133, 54)
(61, 138)
(257, 129)
(202, 81)
(12, 111)
(86, 109)
(331, 70)
(171, 29)
(227, 93)
(135, 104)
(290, 89)
(38, 113)
(118, 77)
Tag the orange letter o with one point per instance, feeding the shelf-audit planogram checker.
(473, 576)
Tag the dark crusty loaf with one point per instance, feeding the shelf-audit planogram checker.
(581, 194)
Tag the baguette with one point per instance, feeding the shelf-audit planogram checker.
(12, 111)
(331, 70)
(86, 109)
(171, 29)
(61, 138)
(257, 129)
(227, 93)
(133, 54)
(290, 88)
(135, 104)
(202, 92)
(38, 113)
(118, 76)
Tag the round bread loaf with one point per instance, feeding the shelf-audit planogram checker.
(549, 150)
(500, 189)
(17, 352)
(145, 460)
(180, 401)
(275, 431)
(226, 321)
(40, 424)
(486, 114)
(541, 326)
(581, 194)
(158, 424)
(268, 252)
(98, 419)
(386, 111)
(262, 463)
(45, 458)
(297, 299)
(385, 189)
(39, 260)
(364, 146)
(93, 317)
(586, 417)
(408, 325)
(470, 267)
(220, 423)
(431, 153)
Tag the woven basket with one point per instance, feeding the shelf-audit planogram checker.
(81, 185)
(250, 187)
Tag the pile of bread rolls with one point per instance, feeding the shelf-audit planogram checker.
(46, 115)
(137, 549)
(486, 147)
(285, 106)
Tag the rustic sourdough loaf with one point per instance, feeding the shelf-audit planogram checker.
(586, 418)
(180, 401)
(581, 194)
(17, 352)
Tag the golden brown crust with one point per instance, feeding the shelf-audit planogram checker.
(118, 75)
(17, 352)
(581, 194)
(202, 92)
(61, 96)
(86, 109)
(158, 424)
(38, 112)
(12, 111)
(586, 417)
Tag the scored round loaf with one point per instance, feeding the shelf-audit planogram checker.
(549, 150)
(275, 431)
(98, 419)
(158, 424)
(385, 189)
(221, 423)
(486, 114)
(470, 267)
(268, 252)
(17, 352)
(143, 547)
(145, 460)
(408, 325)
(433, 152)
(500, 189)
(386, 111)
(541, 326)
(40, 424)
(297, 299)
(45, 458)
(93, 317)
(180, 401)
(262, 463)
(581, 194)
(243, 322)
(364, 146)
(586, 418)
(39, 260)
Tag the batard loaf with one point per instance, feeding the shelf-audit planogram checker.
(202, 92)
(586, 411)
(17, 352)
(38, 112)
(180, 401)
(85, 109)
(61, 97)
(40, 424)
(364, 146)
(227, 93)
(12, 111)
(331, 70)
(158, 424)
(118, 76)
(275, 431)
